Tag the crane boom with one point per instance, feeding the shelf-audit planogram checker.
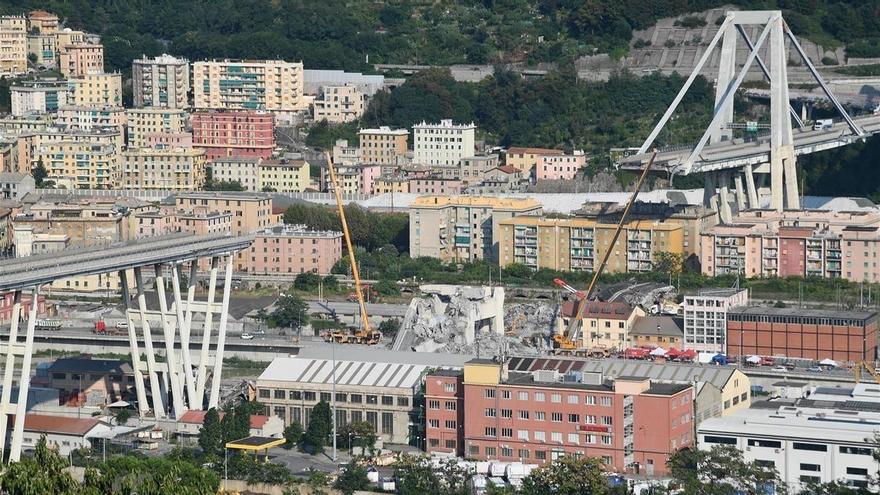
(355, 272)
(571, 333)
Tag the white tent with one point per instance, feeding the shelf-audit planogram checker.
(828, 362)
(754, 359)
(658, 352)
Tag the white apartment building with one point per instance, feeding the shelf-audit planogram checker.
(339, 104)
(273, 85)
(38, 97)
(444, 143)
(826, 437)
(244, 169)
(705, 317)
(161, 82)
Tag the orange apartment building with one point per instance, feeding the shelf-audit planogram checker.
(293, 249)
(250, 211)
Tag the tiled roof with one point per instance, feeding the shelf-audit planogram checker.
(596, 309)
(535, 151)
(57, 424)
(87, 365)
(198, 417)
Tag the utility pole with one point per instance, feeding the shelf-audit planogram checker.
(333, 394)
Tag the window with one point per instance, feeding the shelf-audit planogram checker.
(523, 415)
(450, 405)
(491, 431)
(474, 450)
(857, 471)
(372, 399)
(507, 413)
(505, 394)
(507, 432)
(540, 436)
(264, 392)
(279, 411)
(605, 401)
(489, 393)
(556, 436)
(573, 438)
(522, 395)
(557, 398)
(433, 423)
(811, 467)
(540, 416)
(449, 387)
(506, 452)
(763, 463)
(434, 442)
(523, 453)
(607, 420)
(590, 400)
(606, 440)
(539, 396)
(279, 394)
(816, 447)
(556, 417)
(541, 455)
(573, 399)
(325, 396)
(341, 397)
(855, 450)
(388, 423)
(450, 424)
(403, 401)
(294, 395)
(309, 396)
(450, 444)
(490, 412)
(810, 479)
(719, 440)
(387, 400)
(433, 404)
(590, 419)
(773, 444)
(574, 418)
(490, 451)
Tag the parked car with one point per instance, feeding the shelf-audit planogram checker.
(815, 369)
(246, 336)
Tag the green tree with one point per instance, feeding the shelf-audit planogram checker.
(387, 288)
(320, 427)
(357, 433)
(223, 185)
(122, 416)
(290, 312)
(331, 283)
(211, 433)
(44, 473)
(307, 281)
(668, 263)
(293, 434)
(567, 476)
(129, 475)
(39, 173)
(720, 471)
(352, 478)
(389, 328)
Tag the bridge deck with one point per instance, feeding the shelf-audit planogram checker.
(20, 273)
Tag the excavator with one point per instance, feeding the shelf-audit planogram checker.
(565, 341)
(365, 334)
(859, 366)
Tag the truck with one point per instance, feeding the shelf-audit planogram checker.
(53, 325)
(823, 124)
(101, 328)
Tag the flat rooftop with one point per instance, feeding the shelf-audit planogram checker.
(802, 312)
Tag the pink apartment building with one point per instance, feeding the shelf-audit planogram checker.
(168, 140)
(241, 133)
(764, 243)
(293, 249)
(560, 167)
(436, 185)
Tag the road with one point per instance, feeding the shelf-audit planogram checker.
(351, 308)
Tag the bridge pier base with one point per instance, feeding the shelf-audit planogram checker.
(13, 349)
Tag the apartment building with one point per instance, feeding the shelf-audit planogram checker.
(79, 59)
(657, 331)
(161, 82)
(270, 85)
(763, 243)
(345, 154)
(283, 175)
(95, 89)
(353, 179)
(462, 227)
(705, 317)
(31, 144)
(444, 143)
(80, 164)
(339, 104)
(436, 185)
(244, 170)
(199, 221)
(250, 211)
(14, 185)
(42, 27)
(499, 180)
(175, 169)
(632, 424)
(227, 134)
(91, 118)
(383, 145)
(472, 169)
(577, 244)
(13, 44)
(389, 185)
(604, 325)
(841, 335)
(84, 223)
(382, 394)
(293, 249)
(39, 96)
(97, 381)
(827, 437)
(526, 159)
(560, 167)
(7, 301)
(144, 123)
(445, 414)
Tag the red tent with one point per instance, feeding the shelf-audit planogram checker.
(688, 355)
(673, 353)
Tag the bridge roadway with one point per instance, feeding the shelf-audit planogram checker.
(737, 153)
(22, 273)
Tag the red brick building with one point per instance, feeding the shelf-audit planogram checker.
(293, 249)
(632, 424)
(802, 333)
(241, 134)
(444, 402)
(7, 300)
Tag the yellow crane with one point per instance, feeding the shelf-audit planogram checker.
(567, 341)
(857, 371)
(364, 335)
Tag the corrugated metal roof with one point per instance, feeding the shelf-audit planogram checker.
(355, 373)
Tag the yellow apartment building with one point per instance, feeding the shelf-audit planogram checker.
(339, 104)
(13, 44)
(382, 146)
(383, 185)
(80, 59)
(273, 85)
(605, 325)
(250, 211)
(526, 159)
(283, 175)
(462, 228)
(79, 164)
(178, 169)
(143, 122)
(95, 90)
(578, 244)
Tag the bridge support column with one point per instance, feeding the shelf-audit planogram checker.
(143, 407)
(9, 369)
(169, 331)
(740, 193)
(221, 334)
(792, 196)
(152, 372)
(751, 190)
(726, 75)
(781, 140)
(201, 376)
(182, 326)
(724, 198)
(24, 380)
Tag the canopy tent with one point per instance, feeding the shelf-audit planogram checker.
(753, 359)
(828, 362)
(658, 352)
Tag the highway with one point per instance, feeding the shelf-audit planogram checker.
(351, 308)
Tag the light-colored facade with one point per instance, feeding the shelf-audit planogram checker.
(472, 169)
(80, 59)
(244, 170)
(389, 185)
(339, 104)
(289, 249)
(13, 44)
(822, 439)
(560, 167)
(272, 85)
(30, 143)
(80, 164)
(283, 175)
(383, 145)
(382, 394)
(464, 227)
(354, 179)
(178, 169)
(199, 220)
(42, 27)
(62, 433)
(161, 82)
(14, 185)
(91, 118)
(95, 90)
(144, 122)
(237, 133)
(444, 143)
(526, 159)
(436, 185)
(38, 97)
(578, 244)
(604, 325)
(250, 211)
(85, 223)
(705, 317)
(344, 154)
